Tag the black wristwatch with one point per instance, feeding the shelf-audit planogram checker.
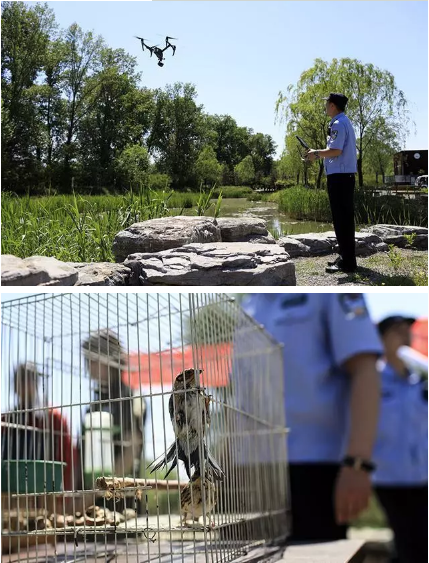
(359, 463)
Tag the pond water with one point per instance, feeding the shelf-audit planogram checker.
(277, 222)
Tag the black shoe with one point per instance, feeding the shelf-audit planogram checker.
(334, 262)
(340, 268)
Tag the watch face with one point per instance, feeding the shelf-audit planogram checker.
(417, 155)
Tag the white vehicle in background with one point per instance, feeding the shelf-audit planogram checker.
(421, 182)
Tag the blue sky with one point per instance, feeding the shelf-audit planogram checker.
(240, 55)
(382, 305)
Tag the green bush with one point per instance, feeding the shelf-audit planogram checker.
(233, 191)
(159, 181)
(183, 200)
(255, 197)
(283, 184)
(313, 205)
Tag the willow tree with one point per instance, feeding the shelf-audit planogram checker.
(374, 101)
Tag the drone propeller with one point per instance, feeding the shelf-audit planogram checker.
(175, 38)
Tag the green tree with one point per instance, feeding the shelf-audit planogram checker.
(374, 98)
(381, 149)
(262, 149)
(52, 108)
(301, 109)
(118, 115)
(133, 165)
(245, 171)
(207, 168)
(83, 60)
(177, 133)
(291, 167)
(25, 40)
(231, 142)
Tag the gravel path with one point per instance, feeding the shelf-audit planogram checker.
(398, 267)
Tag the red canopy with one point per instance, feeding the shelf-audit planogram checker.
(214, 359)
(162, 367)
(419, 332)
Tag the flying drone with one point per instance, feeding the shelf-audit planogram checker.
(155, 49)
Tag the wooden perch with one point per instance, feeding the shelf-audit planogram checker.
(115, 486)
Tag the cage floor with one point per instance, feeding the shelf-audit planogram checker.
(128, 551)
(159, 538)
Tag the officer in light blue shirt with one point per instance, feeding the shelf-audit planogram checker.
(401, 449)
(330, 349)
(340, 162)
(341, 136)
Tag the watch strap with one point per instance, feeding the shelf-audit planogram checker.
(359, 463)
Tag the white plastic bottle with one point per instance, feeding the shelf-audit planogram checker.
(413, 360)
(98, 446)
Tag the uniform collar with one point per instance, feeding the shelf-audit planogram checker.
(390, 373)
(336, 117)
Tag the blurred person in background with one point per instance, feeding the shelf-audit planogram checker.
(401, 450)
(105, 360)
(35, 433)
(331, 394)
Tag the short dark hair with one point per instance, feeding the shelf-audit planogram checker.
(388, 322)
(340, 100)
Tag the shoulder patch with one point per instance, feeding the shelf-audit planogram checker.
(334, 134)
(353, 305)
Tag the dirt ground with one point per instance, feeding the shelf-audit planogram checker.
(396, 268)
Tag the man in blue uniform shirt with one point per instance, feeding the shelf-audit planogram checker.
(340, 167)
(401, 449)
(330, 349)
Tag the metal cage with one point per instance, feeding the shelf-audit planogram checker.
(88, 404)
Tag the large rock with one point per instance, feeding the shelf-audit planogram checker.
(36, 270)
(318, 243)
(214, 264)
(102, 273)
(244, 229)
(366, 243)
(314, 244)
(156, 235)
(293, 246)
(421, 242)
(399, 235)
(387, 230)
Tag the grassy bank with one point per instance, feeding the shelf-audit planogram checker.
(313, 205)
(82, 228)
(78, 228)
(397, 267)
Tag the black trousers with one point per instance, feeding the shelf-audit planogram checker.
(406, 509)
(341, 189)
(312, 488)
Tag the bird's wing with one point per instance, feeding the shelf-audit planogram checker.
(206, 412)
(171, 407)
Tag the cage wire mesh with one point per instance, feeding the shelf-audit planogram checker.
(91, 402)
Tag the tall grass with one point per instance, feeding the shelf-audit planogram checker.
(313, 205)
(305, 205)
(80, 228)
(233, 191)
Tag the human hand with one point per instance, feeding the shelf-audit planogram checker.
(352, 492)
(310, 155)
